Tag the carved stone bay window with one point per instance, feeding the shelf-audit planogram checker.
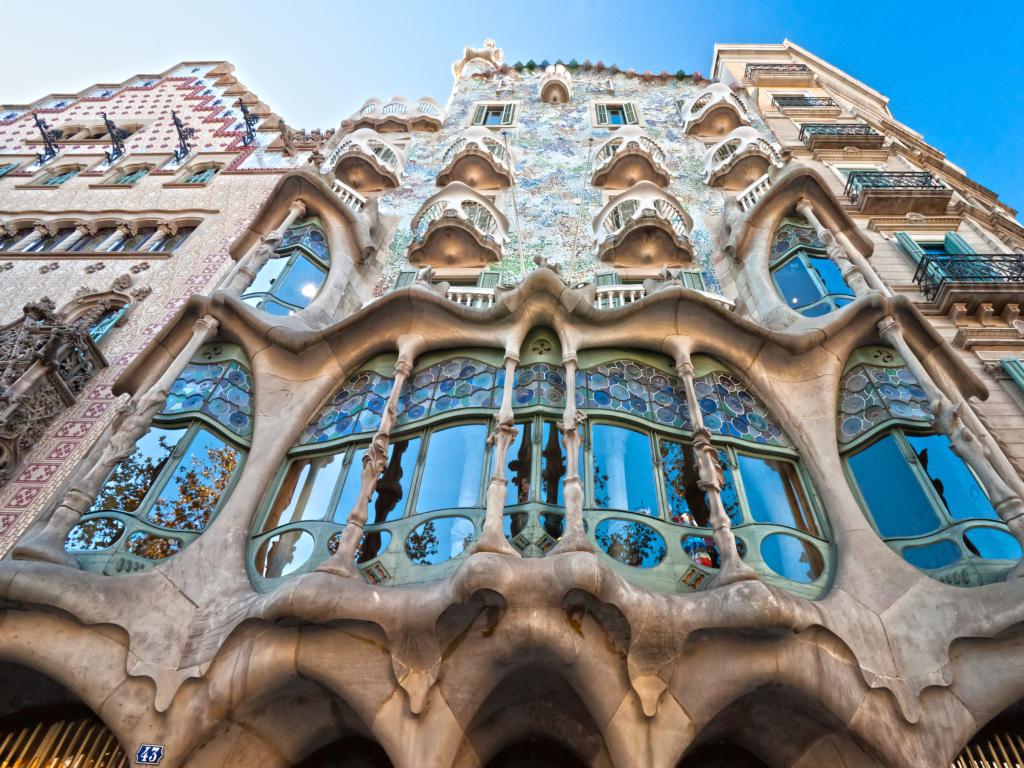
(644, 504)
(165, 492)
(46, 362)
(921, 497)
(296, 271)
(555, 85)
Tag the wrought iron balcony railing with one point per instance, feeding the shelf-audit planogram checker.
(795, 69)
(859, 181)
(804, 102)
(936, 271)
(836, 129)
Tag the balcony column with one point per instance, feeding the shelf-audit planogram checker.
(163, 231)
(375, 461)
(492, 538)
(130, 423)
(39, 231)
(969, 439)
(245, 271)
(855, 275)
(711, 480)
(117, 237)
(82, 230)
(574, 538)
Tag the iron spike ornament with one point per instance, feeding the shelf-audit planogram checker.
(117, 137)
(50, 137)
(250, 124)
(184, 134)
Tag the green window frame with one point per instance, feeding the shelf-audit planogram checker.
(131, 176)
(271, 289)
(806, 259)
(495, 115)
(8, 168)
(615, 114)
(61, 178)
(200, 177)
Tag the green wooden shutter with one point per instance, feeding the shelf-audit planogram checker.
(953, 243)
(692, 279)
(405, 278)
(1015, 369)
(601, 111)
(630, 112)
(479, 114)
(508, 114)
(488, 279)
(907, 243)
(608, 278)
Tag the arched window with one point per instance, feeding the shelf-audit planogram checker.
(7, 242)
(921, 497)
(168, 490)
(129, 176)
(49, 242)
(806, 277)
(137, 241)
(291, 279)
(105, 322)
(60, 176)
(173, 242)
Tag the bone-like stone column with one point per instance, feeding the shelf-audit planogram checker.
(574, 538)
(492, 538)
(342, 562)
(951, 420)
(731, 567)
(855, 275)
(245, 271)
(131, 423)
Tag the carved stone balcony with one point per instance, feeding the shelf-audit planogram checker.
(628, 157)
(471, 296)
(555, 85)
(643, 227)
(897, 193)
(479, 159)
(739, 159)
(971, 279)
(365, 161)
(840, 135)
(715, 111)
(816, 106)
(778, 74)
(349, 196)
(457, 227)
(397, 115)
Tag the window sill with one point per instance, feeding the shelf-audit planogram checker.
(110, 186)
(81, 255)
(183, 185)
(38, 186)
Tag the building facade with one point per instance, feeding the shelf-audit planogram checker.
(591, 418)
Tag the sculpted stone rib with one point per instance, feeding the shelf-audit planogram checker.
(244, 272)
(574, 539)
(132, 421)
(853, 274)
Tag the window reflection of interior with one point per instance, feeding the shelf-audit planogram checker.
(809, 281)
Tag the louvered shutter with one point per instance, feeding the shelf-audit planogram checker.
(1015, 369)
(608, 278)
(630, 112)
(405, 278)
(601, 111)
(907, 243)
(488, 279)
(953, 243)
(479, 114)
(508, 114)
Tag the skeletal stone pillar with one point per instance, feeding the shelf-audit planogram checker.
(574, 538)
(82, 230)
(955, 422)
(342, 562)
(245, 271)
(855, 275)
(731, 567)
(131, 423)
(492, 538)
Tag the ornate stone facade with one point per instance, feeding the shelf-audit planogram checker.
(594, 418)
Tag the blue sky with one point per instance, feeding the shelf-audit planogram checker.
(952, 71)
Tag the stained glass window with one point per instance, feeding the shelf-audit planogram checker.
(292, 278)
(731, 410)
(870, 395)
(448, 386)
(539, 384)
(221, 390)
(355, 408)
(636, 388)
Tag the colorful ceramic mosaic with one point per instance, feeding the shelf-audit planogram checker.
(356, 408)
(448, 386)
(635, 388)
(308, 235)
(731, 410)
(222, 391)
(539, 384)
(870, 395)
(794, 233)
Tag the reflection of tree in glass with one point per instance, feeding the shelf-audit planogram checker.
(937, 484)
(730, 499)
(199, 485)
(554, 463)
(132, 478)
(601, 497)
(687, 502)
(522, 465)
(633, 544)
(422, 543)
(95, 533)
(152, 547)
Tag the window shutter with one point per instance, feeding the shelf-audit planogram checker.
(508, 114)
(1015, 369)
(630, 112)
(479, 114)
(912, 249)
(956, 244)
(692, 279)
(488, 279)
(601, 111)
(608, 278)
(405, 278)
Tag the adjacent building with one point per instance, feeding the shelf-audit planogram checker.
(592, 417)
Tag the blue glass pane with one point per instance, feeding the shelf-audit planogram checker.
(350, 490)
(553, 465)
(792, 558)
(992, 544)
(795, 284)
(623, 470)
(830, 276)
(453, 468)
(372, 545)
(631, 542)
(107, 320)
(305, 492)
(937, 554)
(519, 466)
(775, 494)
(267, 276)
(953, 481)
(130, 481)
(94, 533)
(687, 503)
(895, 498)
(283, 553)
(301, 283)
(818, 310)
(391, 494)
(702, 550)
(439, 539)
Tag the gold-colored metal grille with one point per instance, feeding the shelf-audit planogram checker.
(1000, 750)
(81, 743)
